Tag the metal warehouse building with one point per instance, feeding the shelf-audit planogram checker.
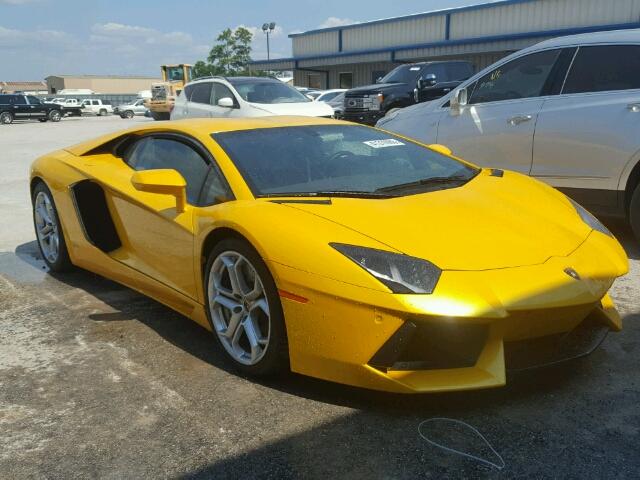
(100, 83)
(354, 55)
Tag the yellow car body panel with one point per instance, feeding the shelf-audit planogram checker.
(506, 275)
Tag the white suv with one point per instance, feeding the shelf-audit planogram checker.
(566, 111)
(244, 97)
(97, 107)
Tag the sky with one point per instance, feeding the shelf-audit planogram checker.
(134, 37)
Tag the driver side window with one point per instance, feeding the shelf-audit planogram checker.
(524, 77)
(152, 153)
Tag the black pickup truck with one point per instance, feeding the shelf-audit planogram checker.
(22, 107)
(403, 86)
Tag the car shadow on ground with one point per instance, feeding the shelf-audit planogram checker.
(378, 435)
(623, 233)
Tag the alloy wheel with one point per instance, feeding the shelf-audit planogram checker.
(5, 118)
(239, 308)
(46, 227)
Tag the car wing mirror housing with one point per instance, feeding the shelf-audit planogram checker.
(163, 182)
(458, 101)
(225, 102)
(429, 80)
(443, 149)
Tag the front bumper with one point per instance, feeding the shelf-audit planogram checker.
(369, 117)
(466, 335)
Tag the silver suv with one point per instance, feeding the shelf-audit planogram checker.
(566, 111)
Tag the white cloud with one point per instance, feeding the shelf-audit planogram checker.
(336, 22)
(109, 48)
(10, 38)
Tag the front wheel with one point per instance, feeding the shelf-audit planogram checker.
(55, 115)
(6, 118)
(244, 308)
(634, 212)
(49, 230)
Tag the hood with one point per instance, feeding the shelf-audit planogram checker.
(377, 88)
(305, 109)
(489, 223)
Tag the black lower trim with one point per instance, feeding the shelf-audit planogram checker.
(605, 202)
(94, 215)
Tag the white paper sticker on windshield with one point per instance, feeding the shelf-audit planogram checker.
(414, 69)
(387, 142)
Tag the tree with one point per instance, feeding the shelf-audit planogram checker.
(230, 56)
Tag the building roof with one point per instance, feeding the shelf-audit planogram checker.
(24, 85)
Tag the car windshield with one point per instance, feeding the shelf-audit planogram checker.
(338, 160)
(267, 91)
(402, 74)
(325, 97)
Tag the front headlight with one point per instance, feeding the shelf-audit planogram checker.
(400, 273)
(589, 219)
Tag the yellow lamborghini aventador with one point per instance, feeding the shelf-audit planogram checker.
(336, 250)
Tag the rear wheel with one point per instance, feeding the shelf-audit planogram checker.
(102, 112)
(127, 114)
(55, 115)
(49, 230)
(6, 118)
(634, 212)
(244, 308)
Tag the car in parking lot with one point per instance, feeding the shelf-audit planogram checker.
(230, 97)
(328, 95)
(97, 107)
(335, 250)
(24, 107)
(132, 109)
(566, 111)
(403, 86)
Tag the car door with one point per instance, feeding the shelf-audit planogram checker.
(496, 126)
(37, 109)
(157, 240)
(587, 135)
(218, 92)
(199, 104)
(19, 107)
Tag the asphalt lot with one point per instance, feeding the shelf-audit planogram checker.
(99, 381)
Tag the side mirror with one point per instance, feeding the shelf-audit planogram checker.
(441, 149)
(225, 102)
(458, 100)
(164, 182)
(429, 80)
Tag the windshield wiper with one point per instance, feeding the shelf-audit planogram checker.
(425, 181)
(332, 193)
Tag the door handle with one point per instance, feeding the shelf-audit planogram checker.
(518, 119)
(634, 107)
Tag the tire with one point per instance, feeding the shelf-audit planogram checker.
(128, 114)
(634, 212)
(102, 112)
(258, 312)
(6, 118)
(46, 222)
(55, 115)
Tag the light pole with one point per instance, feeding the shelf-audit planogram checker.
(268, 28)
